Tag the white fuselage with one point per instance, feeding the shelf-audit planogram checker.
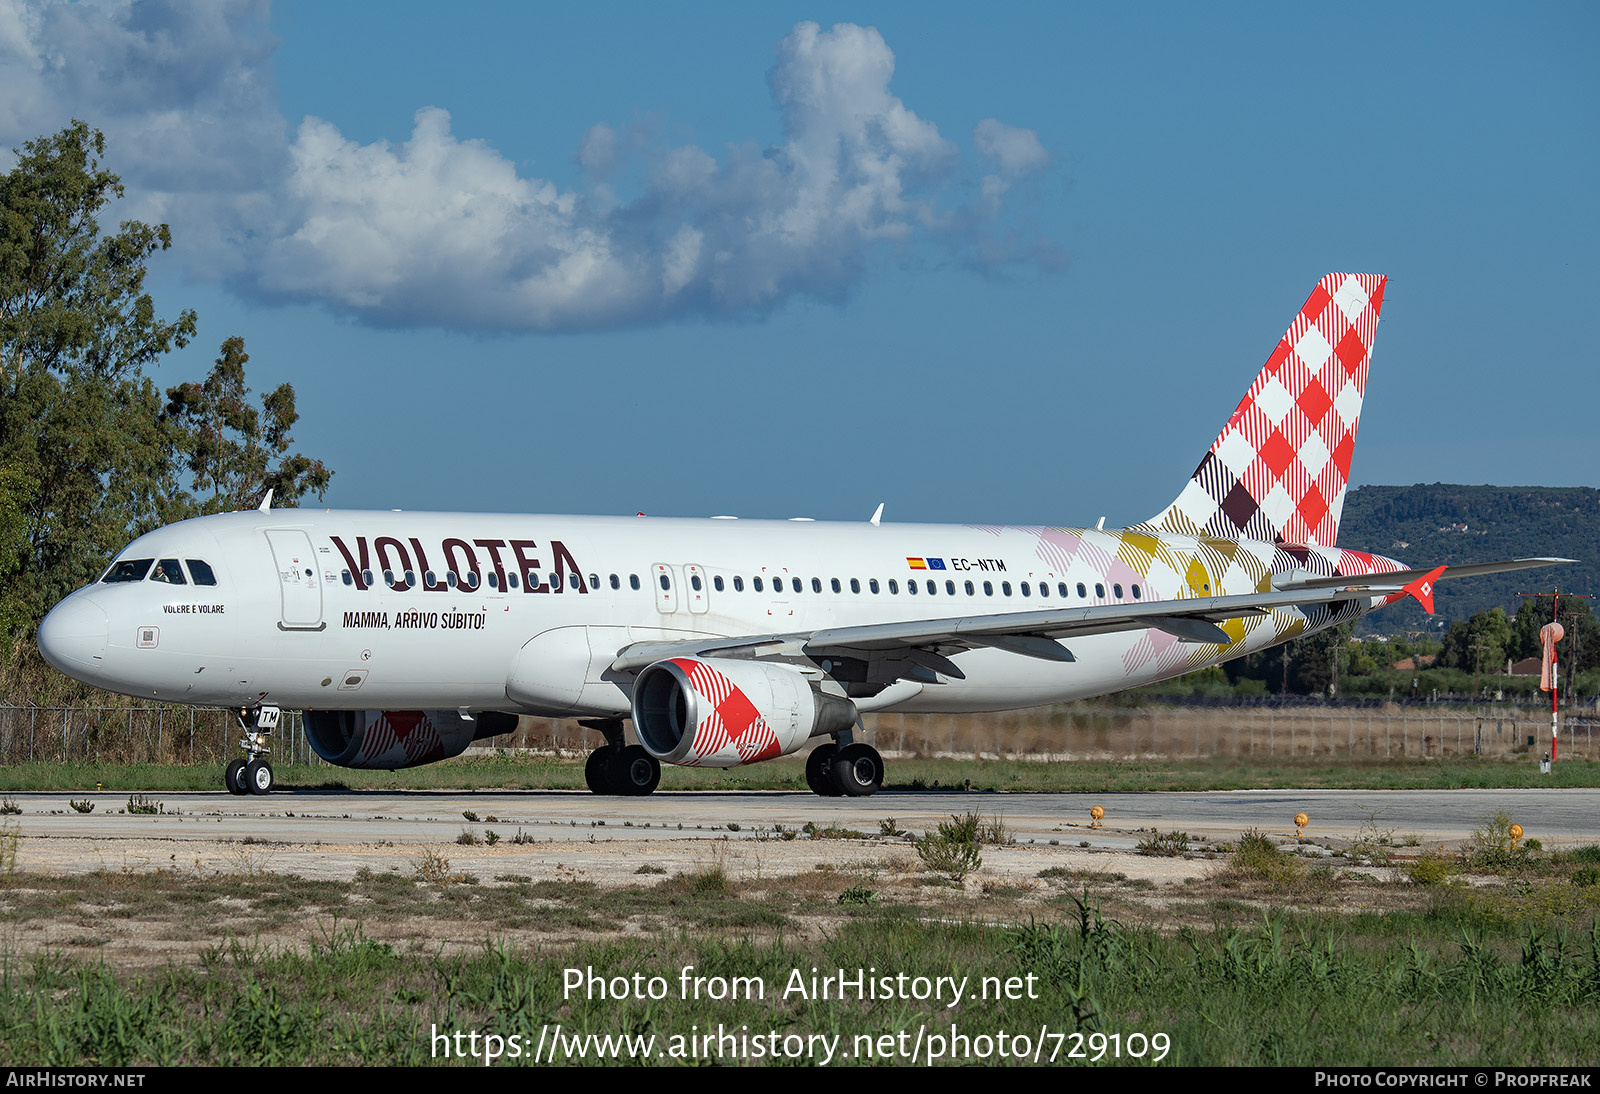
(527, 613)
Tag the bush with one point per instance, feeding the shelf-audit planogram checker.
(1170, 845)
(1431, 868)
(952, 851)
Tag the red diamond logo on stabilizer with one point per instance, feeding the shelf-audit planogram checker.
(1277, 454)
(1312, 508)
(1351, 351)
(1314, 402)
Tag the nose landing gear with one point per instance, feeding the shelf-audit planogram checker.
(253, 774)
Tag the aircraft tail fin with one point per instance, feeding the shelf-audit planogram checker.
(1277, 471)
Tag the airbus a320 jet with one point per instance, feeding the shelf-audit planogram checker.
(405, 637)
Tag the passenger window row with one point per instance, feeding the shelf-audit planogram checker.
(554, 581)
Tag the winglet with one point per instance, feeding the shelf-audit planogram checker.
(266, 502)
(877, 515)
(1422, 588)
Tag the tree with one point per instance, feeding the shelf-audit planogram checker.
(234, 450)
(80, 435)
(88, 458)
(1479, 644)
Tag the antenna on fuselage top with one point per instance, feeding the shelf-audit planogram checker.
(1100, 525)
(877, 515)
(266, 502)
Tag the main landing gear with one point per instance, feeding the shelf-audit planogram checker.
(851, 770)
(617, 767)
(253, 775)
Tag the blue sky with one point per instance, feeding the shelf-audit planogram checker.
(1004, 265)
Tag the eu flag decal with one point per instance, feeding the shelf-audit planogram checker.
(935, 563)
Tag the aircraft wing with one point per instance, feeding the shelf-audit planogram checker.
(1031, 634)
(1405, 577)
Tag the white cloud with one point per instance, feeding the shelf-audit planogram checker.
(440, 230)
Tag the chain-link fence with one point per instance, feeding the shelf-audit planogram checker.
(1072, 731)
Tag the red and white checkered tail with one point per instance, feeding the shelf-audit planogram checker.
(1278, 470)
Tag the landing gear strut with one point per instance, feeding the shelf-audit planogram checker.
(617, 767)
(855, 770)
(253, 775)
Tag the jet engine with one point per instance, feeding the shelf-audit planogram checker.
(392, 739)
(721, 712)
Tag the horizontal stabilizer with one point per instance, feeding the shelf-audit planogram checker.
(1405, 577)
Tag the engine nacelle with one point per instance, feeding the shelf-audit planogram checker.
(392, 739)
(720, 712)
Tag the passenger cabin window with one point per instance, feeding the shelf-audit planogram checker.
(1099, 590)
(796, 582)
(1083, 592)
(450, 579)
(666, 583)
(837, 587)
(511, 581)
(494, 581)
(472, 579)
(756, 582)
(169, 571)
(1117, 591)
(716, 583)
(988, 588)
(616, 582)
(344, 575)
(129, 569)
(970, 589)
(1005, 587)
(950, 588)
(894, 586)
(1061, 590)
(594, 582)
(855, 585)
(366, 578)
(872, 584)
(911, 587)
(633, 581)
(694, 582)
(816, 584)
(201, 572)
(1136, 592)
(738, 584)
(1027, 590)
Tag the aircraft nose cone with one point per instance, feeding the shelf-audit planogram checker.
(73, 636)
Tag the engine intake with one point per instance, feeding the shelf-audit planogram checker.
(720, 712)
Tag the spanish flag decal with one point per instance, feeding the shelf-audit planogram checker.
(916, 564)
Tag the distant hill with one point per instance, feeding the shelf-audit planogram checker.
(1425, 525)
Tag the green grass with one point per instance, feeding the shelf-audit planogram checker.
(547, 773)
(1287, 990)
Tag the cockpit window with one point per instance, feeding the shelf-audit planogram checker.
(201, 572)
(129, 569)
(169, 571)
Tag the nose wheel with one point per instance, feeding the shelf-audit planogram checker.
(253, 774)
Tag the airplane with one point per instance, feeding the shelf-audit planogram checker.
(405, 637)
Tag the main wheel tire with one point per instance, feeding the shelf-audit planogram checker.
(594, 771)
(258, 777)
(233, 778)
(858, 771)
(633, 772)
(819, 767)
